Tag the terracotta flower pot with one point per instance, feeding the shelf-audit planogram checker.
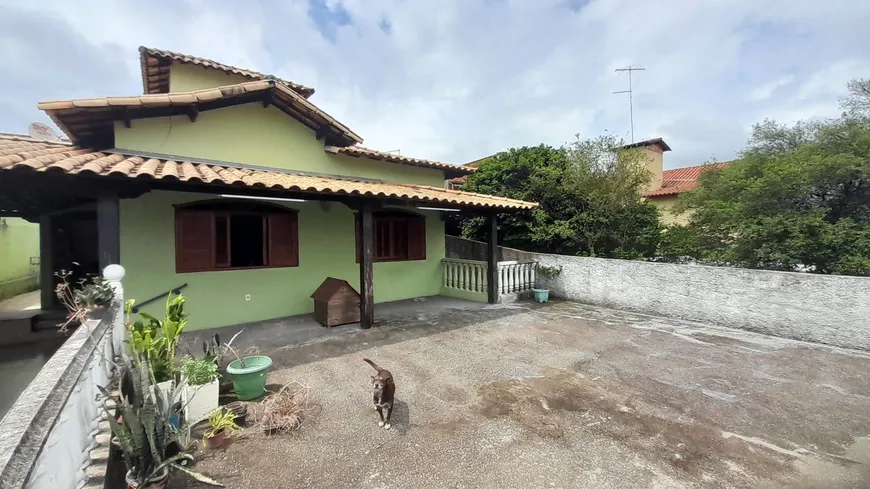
(216, 441)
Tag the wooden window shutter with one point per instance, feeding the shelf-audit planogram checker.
(283, 240)
(417, 238)
(194, 241)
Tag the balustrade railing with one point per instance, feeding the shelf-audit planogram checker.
(470, 276)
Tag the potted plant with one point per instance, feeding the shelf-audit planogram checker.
(249, 373)
(156, 340)
(221, 425)
(201, 381)
(91, 296)
(545, 272)
(143, 432)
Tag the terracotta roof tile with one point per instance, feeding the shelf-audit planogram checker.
(103, 111)
(360, 151)
(73, 160)
(681, 180)
(155, 75)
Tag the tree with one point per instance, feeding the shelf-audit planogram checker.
(589, 195)
(857, 103)
(798, 199)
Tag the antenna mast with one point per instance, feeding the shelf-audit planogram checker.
(629, 69)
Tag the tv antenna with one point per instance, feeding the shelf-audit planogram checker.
(41, 132)
(629, 69)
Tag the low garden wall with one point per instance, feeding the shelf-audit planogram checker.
(828, 309)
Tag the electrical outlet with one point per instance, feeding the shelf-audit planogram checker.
(247, 297)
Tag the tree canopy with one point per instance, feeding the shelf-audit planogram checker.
(797, 199)
(589, 194)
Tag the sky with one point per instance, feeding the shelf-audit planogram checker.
(456, 80)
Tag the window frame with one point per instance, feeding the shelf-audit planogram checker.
(216, 209)
(408, 220)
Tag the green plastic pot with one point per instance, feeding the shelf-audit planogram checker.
(541, 295)
(249, 381)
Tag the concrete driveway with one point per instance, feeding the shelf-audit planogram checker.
(566, 396)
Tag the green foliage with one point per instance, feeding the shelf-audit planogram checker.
(589, 196)
(798, 199)
(221, 420)
(198, 372)
(144, 429)
(544, 271)
(156, 340)
(94, 292)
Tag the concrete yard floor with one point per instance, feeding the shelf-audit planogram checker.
(565, 396)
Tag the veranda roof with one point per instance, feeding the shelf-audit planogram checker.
(24, 154)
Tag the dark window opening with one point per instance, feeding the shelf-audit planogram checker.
(246, 240)
(220, 236)
(397, 237)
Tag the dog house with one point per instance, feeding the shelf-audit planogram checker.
(335, 303)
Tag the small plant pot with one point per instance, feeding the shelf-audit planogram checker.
(159, 481)
(240, 410)
(249, 381)
(201, 400)
(541, 295)
(216, 441)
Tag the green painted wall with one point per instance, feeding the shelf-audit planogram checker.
(186, 77)
(19, 240)
(250, 134)
(326, 248)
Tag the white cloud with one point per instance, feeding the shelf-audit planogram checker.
(458, 79)
(767, 90)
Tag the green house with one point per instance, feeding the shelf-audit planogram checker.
(234, 187)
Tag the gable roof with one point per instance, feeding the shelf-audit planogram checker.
(681, 180)
(90, 121)
(659, 142)
(329, 287)
(360, 151)
(21, 153)
(156, 62)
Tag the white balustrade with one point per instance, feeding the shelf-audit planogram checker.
(469, 275)
(515, 277)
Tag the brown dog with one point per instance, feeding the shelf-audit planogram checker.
(384, 390)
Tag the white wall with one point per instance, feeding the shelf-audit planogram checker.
(821, 308)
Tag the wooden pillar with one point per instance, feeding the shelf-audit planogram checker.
(366, 270)
(492, 259)
(46, 263)
(108, 230)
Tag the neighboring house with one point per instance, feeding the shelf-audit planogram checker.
(456, 182)
(19, 249)
(666, 185)
(234, 186)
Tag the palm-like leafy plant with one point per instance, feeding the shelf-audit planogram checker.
(157, 340)
(142, 426)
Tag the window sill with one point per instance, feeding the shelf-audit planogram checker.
(232, 269)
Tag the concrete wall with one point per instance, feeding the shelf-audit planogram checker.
(828, 309)
(217, 298)
(19, 241)
(187, 77)
(253, 135)
(467, 249)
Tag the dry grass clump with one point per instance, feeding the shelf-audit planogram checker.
(286, 409)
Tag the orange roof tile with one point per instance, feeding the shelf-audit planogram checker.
(359, 151)
(19, 153)
(155, 70)
(681, 180)
(90, 120)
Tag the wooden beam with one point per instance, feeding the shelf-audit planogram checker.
(193, 112)
(108, 230)
(492, 259)
(322, 132)
(366, 269)
(46, 263)
(267, 99)
(128, 122)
